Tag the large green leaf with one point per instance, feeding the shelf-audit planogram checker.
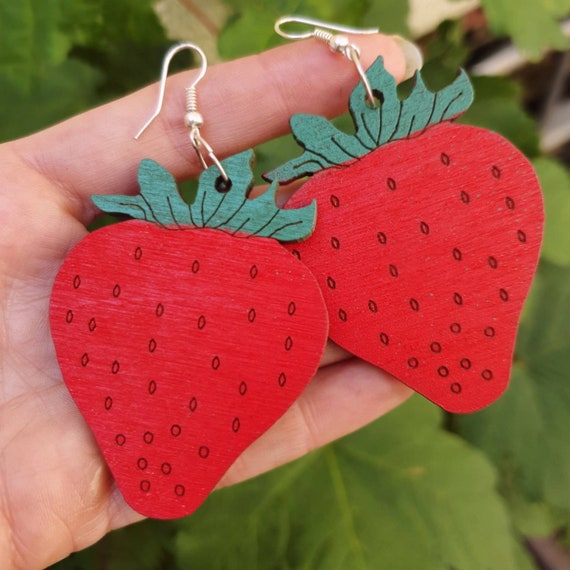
(526, 432)
(398, 495)
(30, 40)
(532, 24)
(555, 182)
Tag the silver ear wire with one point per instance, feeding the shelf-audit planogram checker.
(192, 119)
(338, 43)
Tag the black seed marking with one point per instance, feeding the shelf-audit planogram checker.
(445, 160)
(443, 371)
(236, 425)
(85, 360)
(465, 197)
(142, 463)
(195, 266)
(115, 367)
(92, 325)
(151, 345)
(76, 282)
(456, 388)
(415, 306)
(203, 452)
(413, 362)
(148, 437)
(253, 271)
(120, 439)
(145, 486)
(288, 343)
(282, 380)
(457, 255)
(382, 239)
(69, 317)
(335, 202)
(251, 315)
(193, 405)
(521, 236)
(292, 308)
(335, 243)
(201, 322)
(179, 490)
(391, 184)
(151, 387)
(296, 253)
(175, 430)
(510, 203)
(108, 403)
(424, 228)
(138, 253)
(166, 468)
(465, 363)
(159, 310)
(455, 328)
(489, 332)
(496, 172)
(116, 290)
(216, 362)
(457, 299)
(342, 315)
(487, 374)
(504, 295)
(384, 339)
(435, 347)
(493, 263)
(393, 270)
(372, 306)
(242, 388)
(331, 283)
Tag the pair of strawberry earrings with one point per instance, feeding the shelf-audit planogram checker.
(205, 330)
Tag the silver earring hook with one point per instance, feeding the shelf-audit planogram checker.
(338, 43)
(193, 119)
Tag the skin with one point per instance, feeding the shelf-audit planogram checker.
(56, 494)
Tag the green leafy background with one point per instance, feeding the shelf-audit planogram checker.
(418, 489)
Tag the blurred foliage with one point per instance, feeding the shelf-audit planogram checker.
(417, 489)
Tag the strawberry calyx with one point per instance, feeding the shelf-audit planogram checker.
(392, 119)
(219, 204)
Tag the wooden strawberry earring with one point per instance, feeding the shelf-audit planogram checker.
(428, 235)
(184, 334)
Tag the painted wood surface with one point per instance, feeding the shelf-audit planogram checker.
(181, 345)
(425, 250)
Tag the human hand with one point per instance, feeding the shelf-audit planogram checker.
(56, 493)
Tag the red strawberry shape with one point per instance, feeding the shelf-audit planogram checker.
(428, 238)
(182, 338)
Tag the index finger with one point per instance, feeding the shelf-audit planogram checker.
(244, 102)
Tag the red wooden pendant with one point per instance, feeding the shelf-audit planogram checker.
(428, 239)
(183, 340)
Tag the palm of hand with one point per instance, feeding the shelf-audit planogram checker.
(56, 494)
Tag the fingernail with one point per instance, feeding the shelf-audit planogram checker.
(412, 54)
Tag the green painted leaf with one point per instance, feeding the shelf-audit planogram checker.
(391, 120)
(555, 182)
(526, 432)
(215, 207)
(400, 494)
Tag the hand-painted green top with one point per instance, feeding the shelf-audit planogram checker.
(392, 119)
(218, 205)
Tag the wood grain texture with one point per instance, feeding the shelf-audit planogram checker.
(425, 249)
(219, 204)
(180, 348)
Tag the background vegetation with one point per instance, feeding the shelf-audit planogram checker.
(418, 489)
